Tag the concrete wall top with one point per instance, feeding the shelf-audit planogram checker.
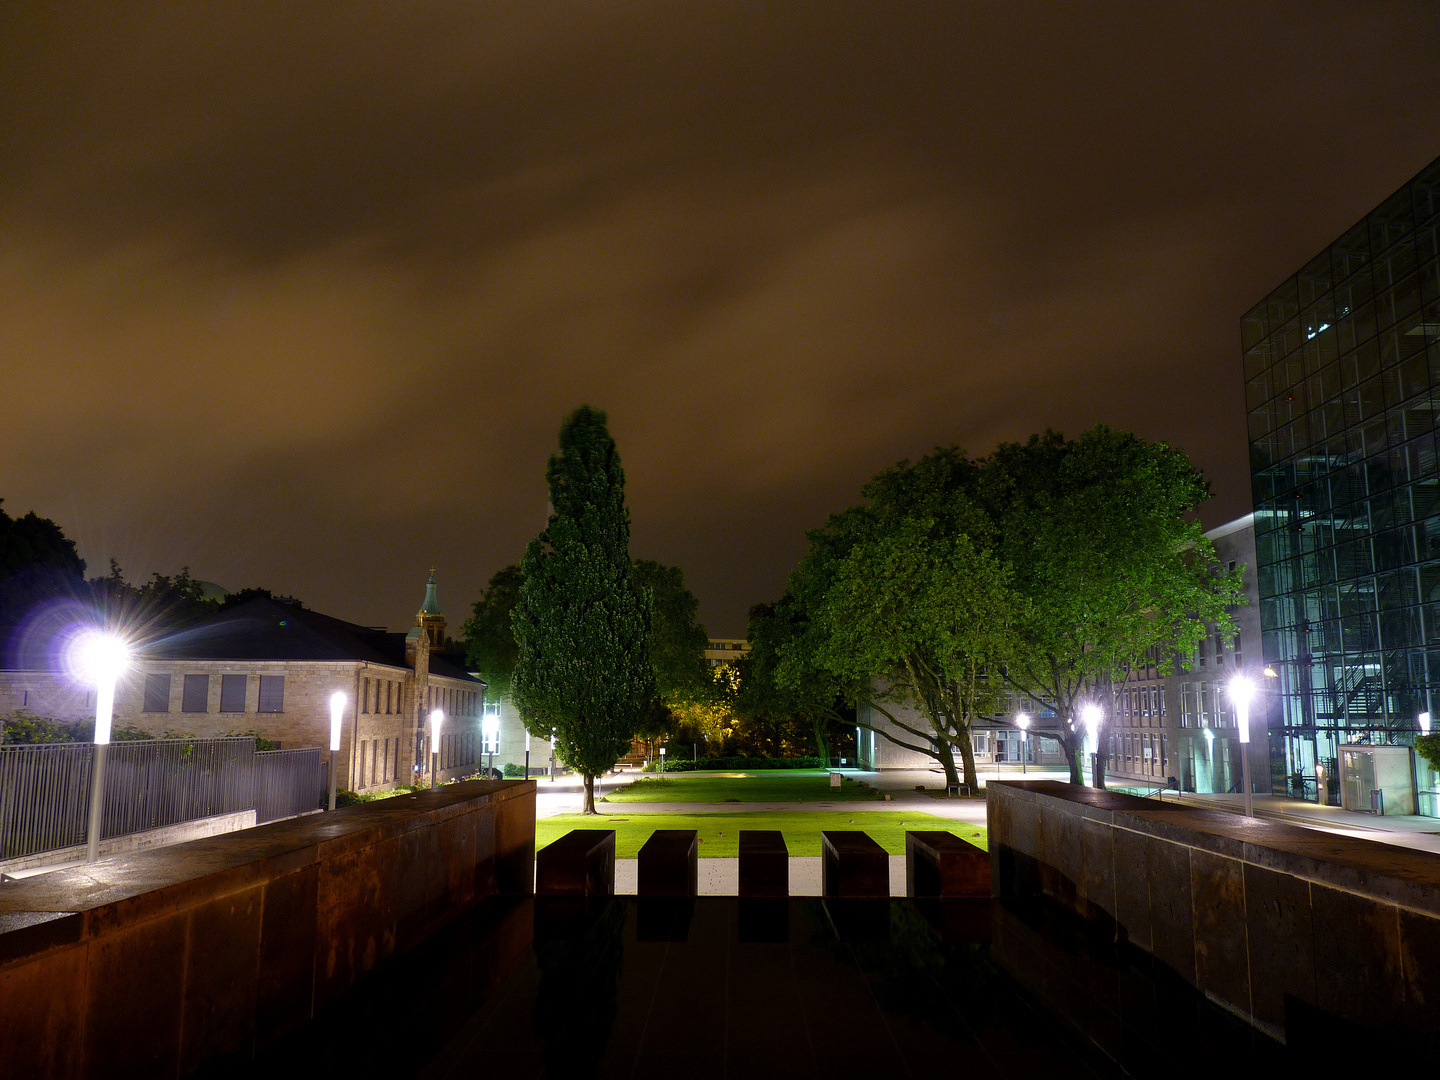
(69, 906)
(1396, 875)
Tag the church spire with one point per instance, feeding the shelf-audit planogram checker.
(430, 618)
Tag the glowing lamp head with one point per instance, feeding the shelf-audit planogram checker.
(662, 751)
(99, 658)
(1424, 723)
(1091, 714)
(437, 718)
(1242, 692)
(1022, 721)
(337, 714)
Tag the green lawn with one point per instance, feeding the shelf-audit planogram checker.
(801, 785)
(719, 832)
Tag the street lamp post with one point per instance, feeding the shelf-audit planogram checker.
(1242, 692)
(490, 730)
(527, 755)
(1023, 723)
(1091, 715)
(100, 659)
(437, 720)
(662, 761)
(337, 716)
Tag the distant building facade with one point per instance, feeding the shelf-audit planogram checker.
(270, 667)
(1342, 385)
(725, 650)
(993, 742)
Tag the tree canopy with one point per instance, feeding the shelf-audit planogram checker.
(1040, 575)
(490, 646)
(581, 624)
(907, 607)
(1108, 564)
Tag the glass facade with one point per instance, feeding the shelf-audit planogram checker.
(1342, 387)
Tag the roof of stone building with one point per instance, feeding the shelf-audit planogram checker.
(264, 629)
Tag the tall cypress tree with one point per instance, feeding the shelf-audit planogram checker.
(581, 622)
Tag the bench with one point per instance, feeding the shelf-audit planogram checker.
(764, 863)
(580, 863)
(669, 863)
(941, 864)
(853, 865)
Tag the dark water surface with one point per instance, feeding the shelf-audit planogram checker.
(720, 987)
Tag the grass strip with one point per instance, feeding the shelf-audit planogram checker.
(807, 786)
(719, 832)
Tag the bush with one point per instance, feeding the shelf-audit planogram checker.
(746, 764)
(512, 771)
(1428, 747)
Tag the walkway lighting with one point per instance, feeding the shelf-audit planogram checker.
(1424, 723)
(1242, 692)
(1092, 715)
(437, 720)
(99, 659)
(1023, 723)
(337, 714)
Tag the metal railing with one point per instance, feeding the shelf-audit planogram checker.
(149, 784)
(44, 796)
(289, 782)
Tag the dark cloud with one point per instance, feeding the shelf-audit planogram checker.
(298, 295)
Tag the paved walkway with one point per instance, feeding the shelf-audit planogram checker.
(1421, 833)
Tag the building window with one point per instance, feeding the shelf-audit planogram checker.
(195, 695)
(157, 693)
(232, 693)
(272, 694)
(365, 695)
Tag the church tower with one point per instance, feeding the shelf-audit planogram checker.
(429, 623)
(430, 618)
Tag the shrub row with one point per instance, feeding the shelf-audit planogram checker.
(739, 763)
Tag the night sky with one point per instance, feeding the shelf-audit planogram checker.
(298, 295)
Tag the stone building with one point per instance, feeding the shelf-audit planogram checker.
(270, 667)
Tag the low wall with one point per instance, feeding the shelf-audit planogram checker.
(159, 962)
(217, 825)
(1293, 929)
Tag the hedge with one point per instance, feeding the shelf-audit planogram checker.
(738, 763)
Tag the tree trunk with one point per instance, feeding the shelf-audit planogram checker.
(967, 758)
(1100, 758)
(946, 754)
(589, 796)
(822, 745)
(1073, 749)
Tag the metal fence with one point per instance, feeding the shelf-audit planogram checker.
(149, 784)
(288, 782)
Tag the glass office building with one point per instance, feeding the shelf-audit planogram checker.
(1342, 387)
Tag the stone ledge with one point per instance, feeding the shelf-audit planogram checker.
(119, 890)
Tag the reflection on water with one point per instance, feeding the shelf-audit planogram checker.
(724, 987)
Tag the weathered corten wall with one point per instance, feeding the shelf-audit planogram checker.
(1287, 927)
(160, 962)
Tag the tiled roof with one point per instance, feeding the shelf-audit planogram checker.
(264, 629)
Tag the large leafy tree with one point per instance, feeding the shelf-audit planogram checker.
(490, 646)
(581, 624)
(909, 607)
(677, 652)
(677, 640)
(1109, 566)
(38, 564)
(810, 696)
